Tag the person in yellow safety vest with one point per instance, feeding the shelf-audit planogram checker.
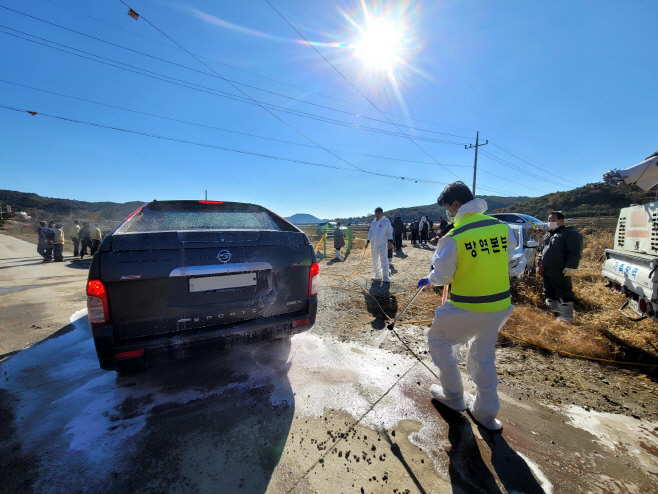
(472, 258)
(96, 238)
(58, 244)
(72, 233)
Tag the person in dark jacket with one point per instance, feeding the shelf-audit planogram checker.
(424, 228)
(443, 224)
(50, 235)
(414, 231)
(43, 242)
(339, 241)
(398, 230)
(560, 254)
(85, 238)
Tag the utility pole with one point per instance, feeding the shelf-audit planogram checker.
(475, 166)
(206, 194)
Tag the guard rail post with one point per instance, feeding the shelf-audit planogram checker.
(349, 240)
(324, 240)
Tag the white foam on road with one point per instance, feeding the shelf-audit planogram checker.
(539, 475)
(328, 374)
(619, 433)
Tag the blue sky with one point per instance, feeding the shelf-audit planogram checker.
(562, 90)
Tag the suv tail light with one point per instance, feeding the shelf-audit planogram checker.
(643, 306)
(97, 307)
(314, 279)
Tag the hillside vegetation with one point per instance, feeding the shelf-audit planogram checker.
(589, 200)
(55, 208)
(433, 211)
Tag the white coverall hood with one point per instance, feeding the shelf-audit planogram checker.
(474, 206)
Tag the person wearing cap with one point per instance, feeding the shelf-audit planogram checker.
(562, 248)
(472, 258)
(380, 234)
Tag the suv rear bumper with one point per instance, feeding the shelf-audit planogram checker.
(182, 345)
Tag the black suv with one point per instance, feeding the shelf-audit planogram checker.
(179, 275)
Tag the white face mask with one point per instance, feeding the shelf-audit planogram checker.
(552, 225)
(449, 215)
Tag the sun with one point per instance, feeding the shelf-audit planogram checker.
(380, 44)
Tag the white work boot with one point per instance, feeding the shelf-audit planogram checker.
(377, 277)
(387, 277)
(438, 394)
(566, 312)
(491, 423)
(552, 306)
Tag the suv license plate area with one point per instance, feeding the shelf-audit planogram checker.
(209, 283)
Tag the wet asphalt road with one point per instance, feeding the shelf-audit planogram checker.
(309, 414)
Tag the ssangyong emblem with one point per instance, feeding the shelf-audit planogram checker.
(224, 256)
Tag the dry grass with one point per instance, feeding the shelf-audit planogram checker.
(600, 330)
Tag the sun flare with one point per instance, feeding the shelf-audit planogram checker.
(380, 45)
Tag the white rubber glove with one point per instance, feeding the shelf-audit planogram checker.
(568, 271)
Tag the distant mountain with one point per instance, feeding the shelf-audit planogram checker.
(433, 211)
(56, 209)
(302, 218)
(588, 200)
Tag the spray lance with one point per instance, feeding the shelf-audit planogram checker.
(421, 284)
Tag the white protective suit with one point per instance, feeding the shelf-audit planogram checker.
(379, 234)
(453, 327)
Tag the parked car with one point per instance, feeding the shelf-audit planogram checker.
(328, 227)
(525, 253)
(180, 275)
(521, 219)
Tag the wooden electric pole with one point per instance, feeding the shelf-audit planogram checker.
(475, 166)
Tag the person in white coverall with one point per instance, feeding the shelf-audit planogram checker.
(472, 258)
(381, 236)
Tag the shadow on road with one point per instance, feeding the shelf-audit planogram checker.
(380, 303)
(78, 263)
(211, 423)
(468, 470)
(512, 470)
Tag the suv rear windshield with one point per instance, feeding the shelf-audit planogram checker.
(196, 215)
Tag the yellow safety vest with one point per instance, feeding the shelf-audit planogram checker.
(481, 281)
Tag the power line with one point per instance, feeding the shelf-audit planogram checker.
(218, 128)
(248, 72)
(221, 148)
(201, 88)
(519, 169)
(353, 86)
(531, 164)
(216, 76)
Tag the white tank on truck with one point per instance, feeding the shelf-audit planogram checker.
(631, 268)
